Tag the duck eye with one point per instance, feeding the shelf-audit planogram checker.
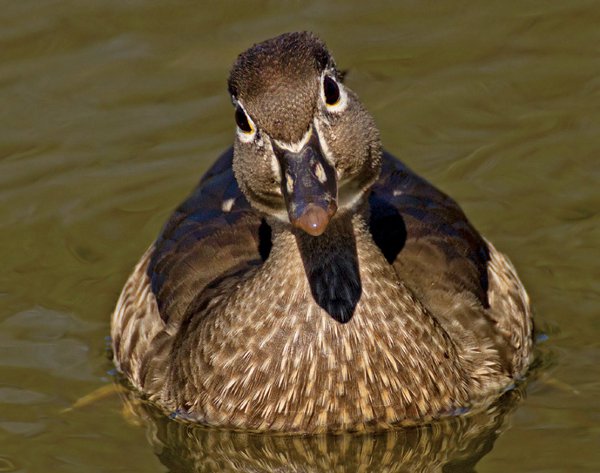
(241, 119)
(331, 91)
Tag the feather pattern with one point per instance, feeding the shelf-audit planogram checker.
(220, 324)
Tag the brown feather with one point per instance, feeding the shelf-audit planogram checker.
(399, 313)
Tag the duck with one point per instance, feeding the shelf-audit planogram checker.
(312, 282)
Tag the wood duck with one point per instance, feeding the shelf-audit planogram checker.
(312, 282)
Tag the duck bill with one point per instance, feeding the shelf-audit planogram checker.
(309, 186)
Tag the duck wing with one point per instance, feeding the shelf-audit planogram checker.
(471, 288)
(213, 235)
(425, 235)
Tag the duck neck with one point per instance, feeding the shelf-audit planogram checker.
(330, 263)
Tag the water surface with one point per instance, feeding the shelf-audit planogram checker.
(112, 110)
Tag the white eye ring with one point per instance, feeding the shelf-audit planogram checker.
(342, 102)
(245, 136)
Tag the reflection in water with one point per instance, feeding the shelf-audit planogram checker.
(454, 445)
(111, 110)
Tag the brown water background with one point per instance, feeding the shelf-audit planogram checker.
(110, 111)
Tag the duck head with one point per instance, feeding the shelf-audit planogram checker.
(306, 149)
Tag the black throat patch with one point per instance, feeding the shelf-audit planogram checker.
(333, 275)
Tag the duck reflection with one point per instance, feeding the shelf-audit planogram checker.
(453, 445)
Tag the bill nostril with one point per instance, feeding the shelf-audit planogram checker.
(289, 183)
(320, 172)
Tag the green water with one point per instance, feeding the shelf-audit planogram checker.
(110, 111)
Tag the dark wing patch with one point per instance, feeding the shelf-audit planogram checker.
(425, 235)
(201, 242)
